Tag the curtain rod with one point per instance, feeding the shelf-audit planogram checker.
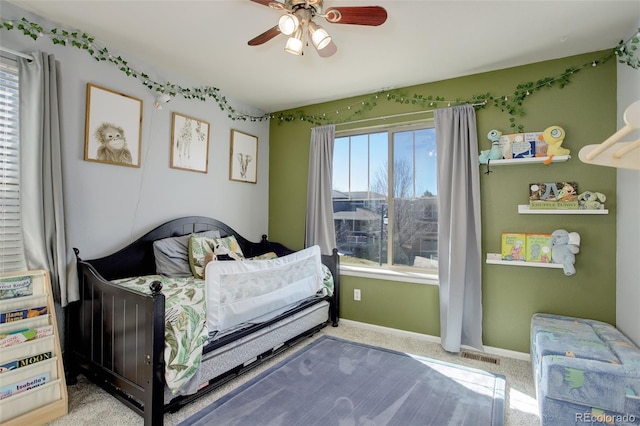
(16, 53)
(386, 117)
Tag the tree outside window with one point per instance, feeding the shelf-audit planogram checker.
(385, 198)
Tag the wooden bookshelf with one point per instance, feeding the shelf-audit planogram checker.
(46, 402)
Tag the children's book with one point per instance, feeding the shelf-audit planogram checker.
(553, 195)
(16, 287)
(14, 365)
(513, 246)
(506, 141)
(538, 249)
(22, 314)
(521, 147)
(21, 336)
(540, 146)
(24, 385)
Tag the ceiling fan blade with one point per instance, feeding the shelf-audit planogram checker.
(262, 2)
(329, 50)
(265, 36)
(357, 15)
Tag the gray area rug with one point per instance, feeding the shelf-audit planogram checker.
(338, 382)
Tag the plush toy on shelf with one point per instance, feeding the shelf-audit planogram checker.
(495, 153)
(589, 200)
(553, 137)
(564, 246)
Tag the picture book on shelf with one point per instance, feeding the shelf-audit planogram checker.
(24, 385)
(21, 336)
(513, 246)
(522, 147)
(537, 248)
(539, 145)
(16, 287)
(30, 360)
(553, 195)
(506, 141)
(21, 314)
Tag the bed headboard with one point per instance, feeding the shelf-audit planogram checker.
(137, 258)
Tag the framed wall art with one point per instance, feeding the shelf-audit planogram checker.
(189, 143)
(243, 161)
(113, 127)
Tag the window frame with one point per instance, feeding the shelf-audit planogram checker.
(390, 271)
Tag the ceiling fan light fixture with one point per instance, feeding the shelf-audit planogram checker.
(288, 24)
(294, 43)
(319, 36)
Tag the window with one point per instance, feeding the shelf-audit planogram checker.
(11, 245)
(385, 198)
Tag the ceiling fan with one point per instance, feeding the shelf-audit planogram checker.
(297, 23)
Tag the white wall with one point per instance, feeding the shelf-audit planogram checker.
(108, 206)
(628, 219)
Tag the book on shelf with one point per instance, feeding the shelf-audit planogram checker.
(505, 143)
(513, 246)
(537, 248)
(16, 287)
(521, 147)
(24, 362)
(21, 314)
(21, 336)
(539, 145)
(553, 195)
(24, 385)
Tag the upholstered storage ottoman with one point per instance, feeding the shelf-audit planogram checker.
(585, 372)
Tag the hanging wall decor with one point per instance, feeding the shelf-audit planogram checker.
(189, 143)
(113, 127)
(243, 161)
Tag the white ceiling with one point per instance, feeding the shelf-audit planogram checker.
(421, 41)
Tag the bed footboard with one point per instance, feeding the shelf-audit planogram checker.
(118, 341)
(332, 262)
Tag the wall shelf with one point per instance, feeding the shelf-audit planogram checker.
(525, 209)
(515, 161)
(521, 263)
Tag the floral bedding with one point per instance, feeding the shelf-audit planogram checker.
(185, 328)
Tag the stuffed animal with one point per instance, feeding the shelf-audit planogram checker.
(553, 137)
(591, 200)
(564, 246)
(494, 153)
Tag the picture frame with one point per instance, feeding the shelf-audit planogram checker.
(189, 143)
(113, 127)
(243, 157)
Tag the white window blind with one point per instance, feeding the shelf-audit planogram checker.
(11, 240)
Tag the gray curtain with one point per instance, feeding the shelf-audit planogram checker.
(459, 250)
(42, 205)
(319, 228)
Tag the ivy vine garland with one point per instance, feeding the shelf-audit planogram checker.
(626, 52)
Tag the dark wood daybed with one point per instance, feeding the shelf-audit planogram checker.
(116, 335)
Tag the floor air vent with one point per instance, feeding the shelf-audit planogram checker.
(480, 357)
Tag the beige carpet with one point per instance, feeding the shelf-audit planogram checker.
(90, 405)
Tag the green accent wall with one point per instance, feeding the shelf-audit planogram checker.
(585, 108)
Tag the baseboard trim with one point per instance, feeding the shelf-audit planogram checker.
(436, 339)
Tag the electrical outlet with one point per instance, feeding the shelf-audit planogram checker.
(356, 294)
